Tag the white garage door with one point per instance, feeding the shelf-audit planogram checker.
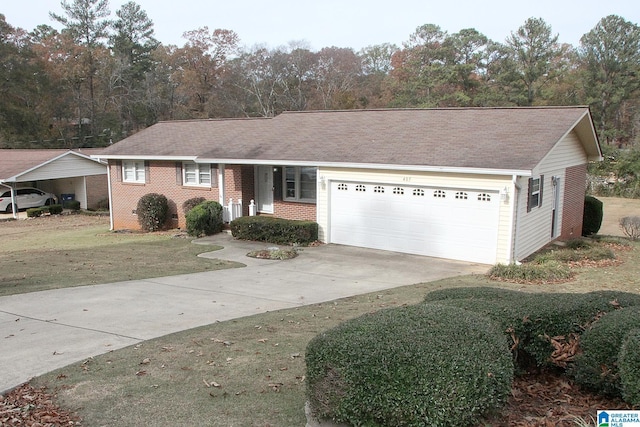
(445, 223)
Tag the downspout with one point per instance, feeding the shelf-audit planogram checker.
(110, 197)
(514, 220)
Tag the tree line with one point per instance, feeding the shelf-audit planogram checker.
(99, 79)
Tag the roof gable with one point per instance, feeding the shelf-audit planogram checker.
(488, 138)
(16, 165)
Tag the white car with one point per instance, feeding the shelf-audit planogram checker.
(26, 197)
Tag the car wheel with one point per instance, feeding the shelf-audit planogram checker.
(49, 202)
(9, 209)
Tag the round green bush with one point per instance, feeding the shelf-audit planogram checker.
(411, 366)
(205, 219)
(152, 211)
(629, 365)
(596, 367)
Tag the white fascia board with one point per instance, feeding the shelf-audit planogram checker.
(138, 157)
(415, 168)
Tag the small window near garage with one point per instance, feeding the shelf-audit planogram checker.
(418, 192)
(361, 187)
(133, 171)
(378, 189)
(195, 174)
(535, 193)
(398, 191)
(484, 197)
(439, 194)
(300, 183)
(343, 187)
(461, 195)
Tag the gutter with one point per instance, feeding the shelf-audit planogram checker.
(13, 200)
(513, 222)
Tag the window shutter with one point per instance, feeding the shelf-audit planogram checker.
(178, 173)
(119, 170)
(541, 185)
(146, 172)
(529, 195)
(214, 175)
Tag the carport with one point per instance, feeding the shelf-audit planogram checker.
(72, 173)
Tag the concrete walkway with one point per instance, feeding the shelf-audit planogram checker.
(43, 331)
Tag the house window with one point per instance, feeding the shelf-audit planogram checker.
(133, 171)
(535, 193)
(300, 183)
(196, 174)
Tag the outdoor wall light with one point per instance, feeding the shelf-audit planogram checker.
(504, 194)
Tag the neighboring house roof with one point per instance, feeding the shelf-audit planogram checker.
(482, 138)
(17, 162)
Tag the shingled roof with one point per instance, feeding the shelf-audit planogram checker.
(485, 138)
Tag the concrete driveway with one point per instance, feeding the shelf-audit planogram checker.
(43, 331)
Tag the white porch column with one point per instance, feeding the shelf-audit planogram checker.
(221, 184)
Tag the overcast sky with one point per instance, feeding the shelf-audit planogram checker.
(346, 23)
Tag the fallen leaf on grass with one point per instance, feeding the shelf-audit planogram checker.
(145, 361)
(141, 373)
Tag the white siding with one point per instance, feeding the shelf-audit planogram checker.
(493, 183)
(67, 166)
(533, 229)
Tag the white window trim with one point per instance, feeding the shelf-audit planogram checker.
(201, 168)
(137, 167)
(297, 190)
(535, 193)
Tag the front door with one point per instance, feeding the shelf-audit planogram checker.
(265, 189)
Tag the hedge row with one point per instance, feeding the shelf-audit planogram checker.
(274, 230)
(36, 212)
(531, 320)
(451, 359)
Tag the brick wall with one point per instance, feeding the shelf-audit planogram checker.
(97, 190)
(573, 202)
(161, 179)
(293, 210)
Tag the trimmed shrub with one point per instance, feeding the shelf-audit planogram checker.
(274, 230)
(592, 218)
(532, 321)
(629, 365)
(71, 204)
(102, 205)
(411, 366)
(34, 212)
(56, 209)
(152, 211)
(192, 203)
(204, 219)
(597, 367)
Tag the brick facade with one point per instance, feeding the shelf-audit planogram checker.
(573, 203)
(164, 177)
